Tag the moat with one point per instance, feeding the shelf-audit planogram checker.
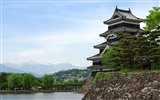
(43, 96)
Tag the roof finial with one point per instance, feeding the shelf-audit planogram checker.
(116, 8)
(129, 10)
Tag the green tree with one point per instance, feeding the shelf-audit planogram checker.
(3, 80)
(147, 50)
(28, 80)
(70, 82)
(14, 80)
(153, 19)
(108, 58)
(48, 81)
(3, 77)
(142, 48)
(152, 38)
(3, 85)
(127, 50)
(38, 82)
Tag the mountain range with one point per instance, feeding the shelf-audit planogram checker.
(14, 70)
(37, 68)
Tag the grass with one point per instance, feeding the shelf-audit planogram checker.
(135, 70)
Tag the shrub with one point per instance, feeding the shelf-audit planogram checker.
(125, 70)
(155, 66)
(101, 76)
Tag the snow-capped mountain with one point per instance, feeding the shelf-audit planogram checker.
(49, 68)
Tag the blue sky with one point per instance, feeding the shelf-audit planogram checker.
(58, 31)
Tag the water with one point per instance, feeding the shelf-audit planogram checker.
(43, 96)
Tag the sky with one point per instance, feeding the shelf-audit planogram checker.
(59, 31)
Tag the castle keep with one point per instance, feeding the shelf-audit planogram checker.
(121, 21)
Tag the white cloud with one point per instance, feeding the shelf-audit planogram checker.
(29, 53)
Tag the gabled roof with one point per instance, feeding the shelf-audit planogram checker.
(95, 57)
(120, 14)
(120, 29)
(97, 67)
(102, 45)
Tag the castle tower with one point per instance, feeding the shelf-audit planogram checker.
(121, 21)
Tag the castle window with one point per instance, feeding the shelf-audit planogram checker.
(116, 16)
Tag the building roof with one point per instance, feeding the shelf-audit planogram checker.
(120, 14)
(113, 43)
(95, 57)
(94, 67)
(102, 45)
(120, 29)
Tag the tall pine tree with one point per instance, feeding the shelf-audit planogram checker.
(127, 50)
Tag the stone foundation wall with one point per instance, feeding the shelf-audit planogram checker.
(85, 88)
(130, 86)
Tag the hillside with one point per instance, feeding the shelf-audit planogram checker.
(15, 70)
(73, 74)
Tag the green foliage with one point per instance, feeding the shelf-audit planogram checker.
(142, 47)
(108, 60)
(127, 52)
(70, 82)
(125, 70)
(153, 19)
(98, 78)
(28, 80)
(155, 66)
(133, 70)
(141, 52)
(38, 82)
(68, 74)
(14, 80)
(3, 77)
(122, 55)
(3, 85)
(147, 50)
(108, 76)
(101, 76)
(48, 81)
(68, 85)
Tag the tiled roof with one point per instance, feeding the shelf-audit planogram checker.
(123, 14)
(95, 57)
(120, 29)
(97, 67)
(102, 45)
(129, 15)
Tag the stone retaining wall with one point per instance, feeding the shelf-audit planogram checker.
(84, 89)
(131, 86)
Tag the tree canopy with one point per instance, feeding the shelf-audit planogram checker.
(14, 80)
(108, 58)
(152, 21)
(28, 80)
(48, 81)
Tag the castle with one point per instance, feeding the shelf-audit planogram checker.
(121, 21)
